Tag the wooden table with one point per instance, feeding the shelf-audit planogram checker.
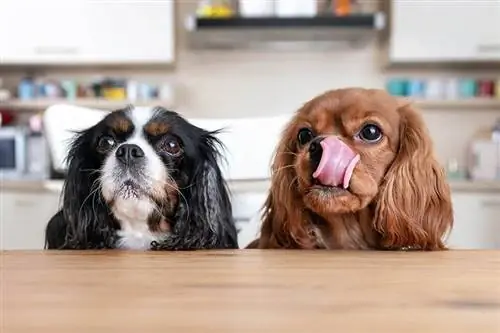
(250, 291)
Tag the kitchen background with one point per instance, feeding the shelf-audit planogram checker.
(249, 64)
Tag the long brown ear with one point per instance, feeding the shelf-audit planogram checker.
(285, 222)
(414, 206)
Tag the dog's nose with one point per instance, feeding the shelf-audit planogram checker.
(129, 153)
(315, 153)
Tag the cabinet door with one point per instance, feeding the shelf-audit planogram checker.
(129, 31)
(86, 32)
(488, 45)
(436, 31)
(33, 31)
(247, 208)
(23, 218)
(477, 221)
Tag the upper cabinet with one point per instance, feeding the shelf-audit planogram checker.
(86, 32)
(444, 31)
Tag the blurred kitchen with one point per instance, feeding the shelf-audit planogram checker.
(249, 64)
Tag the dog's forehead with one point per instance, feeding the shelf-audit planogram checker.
(350, 104)
(140, 119)
(119, 122)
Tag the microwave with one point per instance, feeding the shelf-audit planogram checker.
(23, 155)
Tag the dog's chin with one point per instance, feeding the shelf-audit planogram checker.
(126, 189)
(326, 200)
(130, 189)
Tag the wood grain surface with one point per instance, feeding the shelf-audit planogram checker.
(250, 291)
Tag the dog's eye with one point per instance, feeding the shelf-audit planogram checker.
(370, 133)
(304, 136)
(105, 144)
(172, 147)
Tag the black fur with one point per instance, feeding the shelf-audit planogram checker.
(201, 219)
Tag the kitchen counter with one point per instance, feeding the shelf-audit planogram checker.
(237, 186)
(251, 291)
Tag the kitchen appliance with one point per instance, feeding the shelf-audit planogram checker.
(12, 152)
(484, 154)
(23, 154)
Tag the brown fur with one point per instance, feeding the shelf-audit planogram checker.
(156, 128)
(398, 196)
(120, 124)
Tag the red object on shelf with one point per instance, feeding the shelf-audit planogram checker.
(486, 88)
(6, 117)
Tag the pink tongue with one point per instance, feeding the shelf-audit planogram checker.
(337, 163)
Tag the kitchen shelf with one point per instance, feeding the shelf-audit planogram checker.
(364, 21)
(238, 31)
(105, 104)
(465, 104)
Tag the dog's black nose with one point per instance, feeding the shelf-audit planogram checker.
(129, 153)
(315, 153)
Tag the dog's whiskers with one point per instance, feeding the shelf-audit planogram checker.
(93, 190)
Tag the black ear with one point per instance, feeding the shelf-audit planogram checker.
(206, 221)
(87, 220)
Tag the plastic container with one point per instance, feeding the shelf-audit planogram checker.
(256, 8)
(296, 8)
(467, 88)
(435, 89)
(342, 7)
(26, 89)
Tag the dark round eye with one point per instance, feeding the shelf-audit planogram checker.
(304, 136)
(370, 133)
(105, 143)
(172, 147)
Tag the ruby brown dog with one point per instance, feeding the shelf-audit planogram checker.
(355, 169)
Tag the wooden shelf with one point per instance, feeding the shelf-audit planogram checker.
(465, 104)
(42, 104)
(105, 104)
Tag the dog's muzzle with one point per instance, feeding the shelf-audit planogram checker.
(333, 161)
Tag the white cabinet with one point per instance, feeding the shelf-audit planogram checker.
(477, 221)
(23, 218)
(247, 209)
(444, 31)
(86, 32)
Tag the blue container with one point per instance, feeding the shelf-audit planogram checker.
(397, 87)
(467, 88)
(416, 88)
(26, 89)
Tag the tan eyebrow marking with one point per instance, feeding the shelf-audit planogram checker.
(156, 128)
(121, 124)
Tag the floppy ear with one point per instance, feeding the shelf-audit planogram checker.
(88, 222)
(285, 221)
(205, 217)
(413, 208)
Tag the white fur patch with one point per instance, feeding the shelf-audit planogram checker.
(133, 217)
